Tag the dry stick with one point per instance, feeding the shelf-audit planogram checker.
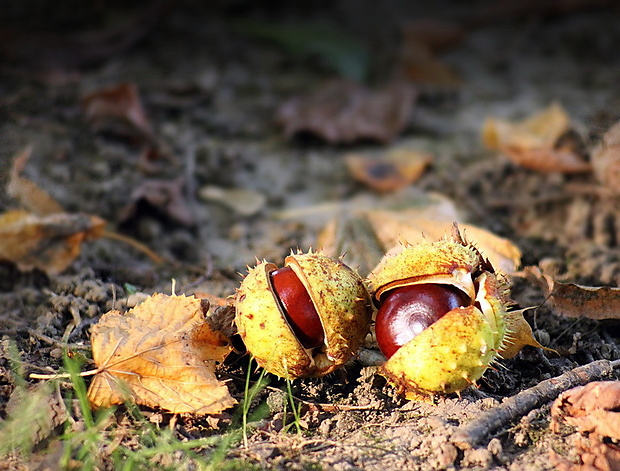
(517, 406)
(135, 244)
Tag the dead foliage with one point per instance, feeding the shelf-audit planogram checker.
(344, 111)
(165, 196)
(49, 243)
(117, 110)
(593, 411)
(397, 169)
(573, 300)
(543, 142)
(162, 353)
(606, 160)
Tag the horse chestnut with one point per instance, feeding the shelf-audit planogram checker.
(305, 319)
(459, 320)
(407, 311)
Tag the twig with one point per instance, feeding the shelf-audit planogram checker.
(64, 375)
(57, 343)
(135, 244)
(517, 406)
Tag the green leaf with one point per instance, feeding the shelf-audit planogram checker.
(341, 52)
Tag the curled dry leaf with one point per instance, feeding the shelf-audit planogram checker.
(49, 243)
(399, 168)
(162, 353)
(117, 109)
(519, 335)
(30, 196)
(344, 111)
(542, 142)
(592, 409)
(572, 300)
(166, 196)
(606, 159)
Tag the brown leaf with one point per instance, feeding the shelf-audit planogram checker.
(117, 109)
(33, 414)
(606, 159)
(437, 35)
(166, 196)
(49, 243)
(397, 169)
(593, 408)
(422, 39)
(161, 353)
(539, 142)
(572, 300)
(344, 111)
(29, 195)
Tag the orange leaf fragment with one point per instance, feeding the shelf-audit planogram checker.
(606, 159)
(162, 353)
(29, 195)
(49, 243)
(344, 111)
(399, 168)
(541, 142)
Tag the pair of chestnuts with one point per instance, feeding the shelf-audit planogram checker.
(440, 320)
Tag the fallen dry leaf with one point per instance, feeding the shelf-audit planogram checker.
(590, 454)
(437, 35)
(117, 109)
(593, 410)
(542, 142)
(162, 353)
(572, 300)
(49, 243)
(30, 196)
(422, 39)
(520, 335)
(397, 169)
(606, 159)
(395, 228)
(344, 111)
(242, 201)
(165, 196)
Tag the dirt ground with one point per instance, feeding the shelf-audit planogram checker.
(211, 92)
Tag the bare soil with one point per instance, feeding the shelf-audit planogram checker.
(211, 93)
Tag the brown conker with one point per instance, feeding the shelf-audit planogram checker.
(407, 311)
(297, 306)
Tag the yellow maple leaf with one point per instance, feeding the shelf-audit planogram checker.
(162, 353)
